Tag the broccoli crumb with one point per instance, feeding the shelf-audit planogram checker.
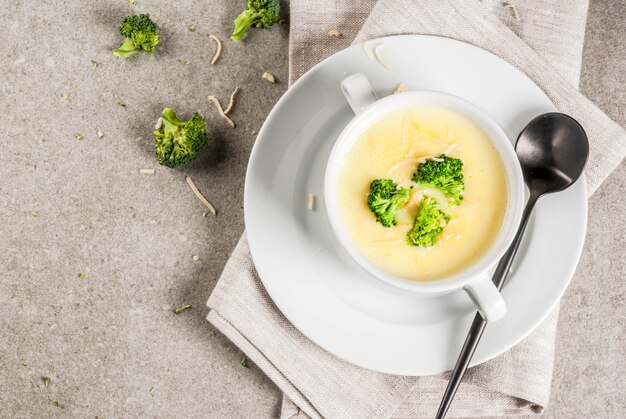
(58, 404)
(428, 224)
(119, 101)
(82, 275)
(46, 381)
(257, 14)
(78, 136)
(385, 199)
(141, 33)
(192, 27)
(179, 142)
(183, 62)
(445, 174)
(65, 96)
(244, 362)
(94, 63)
(181, 309)
(132, 2)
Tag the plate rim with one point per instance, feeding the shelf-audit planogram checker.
(524, 331)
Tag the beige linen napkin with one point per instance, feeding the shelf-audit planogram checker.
(544, 40)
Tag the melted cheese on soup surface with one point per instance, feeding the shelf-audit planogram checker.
(392, 148)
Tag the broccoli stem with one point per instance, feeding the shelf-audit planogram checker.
(170, 118)
(126, 49)
(246, 19)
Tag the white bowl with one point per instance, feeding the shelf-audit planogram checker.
(515, 186)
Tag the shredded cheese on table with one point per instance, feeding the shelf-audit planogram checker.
(334, 33)
(201, 197)
(218, 51)
(269, 77)
(146, 171)
(221, 111)
(232, 101)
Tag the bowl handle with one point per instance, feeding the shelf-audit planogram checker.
(483, 292)
(358, 92)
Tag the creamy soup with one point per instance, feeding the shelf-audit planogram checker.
(392, 148)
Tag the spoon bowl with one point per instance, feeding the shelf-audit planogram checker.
(552, 151)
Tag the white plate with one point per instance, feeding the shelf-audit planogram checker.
(316, 284)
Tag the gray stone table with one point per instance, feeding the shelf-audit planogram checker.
(109, 341)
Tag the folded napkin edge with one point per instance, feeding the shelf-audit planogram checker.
(264, 364)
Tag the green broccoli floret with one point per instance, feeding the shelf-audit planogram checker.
(385, 199)
(429, 222)
(258, 13)
(445, 175)
(140, 32)
(179, 142)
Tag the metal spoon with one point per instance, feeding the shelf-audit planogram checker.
(552, 151)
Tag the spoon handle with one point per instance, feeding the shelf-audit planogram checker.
(478, 325)
(504, 266)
